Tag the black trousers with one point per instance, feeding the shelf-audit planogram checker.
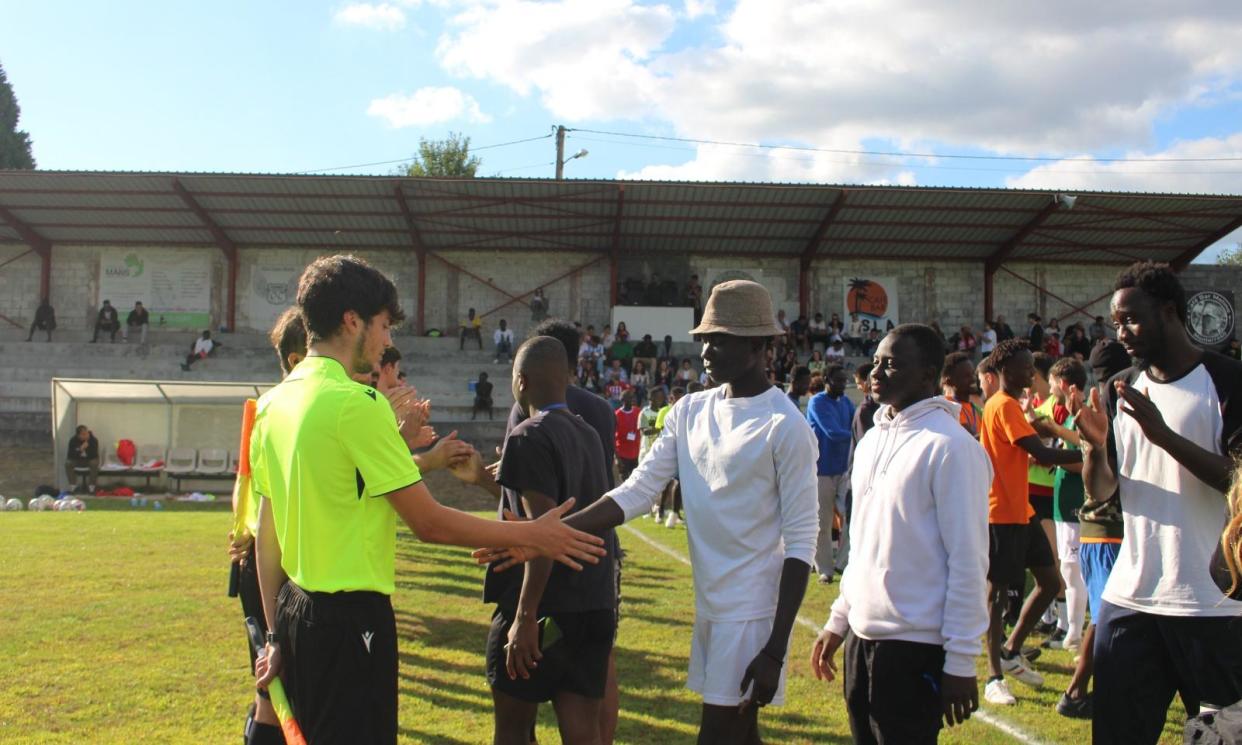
(892, 691)
(1142, 659)
(340, 663)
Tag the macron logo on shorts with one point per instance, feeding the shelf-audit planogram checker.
(366, 639)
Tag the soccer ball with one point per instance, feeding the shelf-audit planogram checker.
(76, 505)
(35, 505)
(46, 502)
(13, 505)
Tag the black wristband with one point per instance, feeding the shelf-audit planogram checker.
(272, 638)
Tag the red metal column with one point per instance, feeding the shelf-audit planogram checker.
(810, 251)
(989, 274)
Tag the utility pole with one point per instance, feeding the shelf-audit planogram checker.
(560, 152)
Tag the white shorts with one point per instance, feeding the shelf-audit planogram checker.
(720, 652)
(1067, 542)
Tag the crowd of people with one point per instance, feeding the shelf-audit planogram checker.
(1108, 478)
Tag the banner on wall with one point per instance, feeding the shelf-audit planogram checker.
(273, 287)
(175, 286)
(1210, 318)
(873, 300)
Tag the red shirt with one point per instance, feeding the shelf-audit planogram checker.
(628, 438)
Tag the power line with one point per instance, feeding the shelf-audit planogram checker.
(407, 158)
(895, 164)
(901, 154)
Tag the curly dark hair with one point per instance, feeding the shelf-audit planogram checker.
(1157, 281)
(1005, 351)
(289, 336)
(334, 285)
(564, 332)
(951, 361)
(391, 356)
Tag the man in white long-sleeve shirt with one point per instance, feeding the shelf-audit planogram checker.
(745, 458)
(913, 598)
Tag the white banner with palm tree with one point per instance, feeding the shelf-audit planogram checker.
(873, 300)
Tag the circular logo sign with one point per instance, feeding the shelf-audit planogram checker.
(1210, 316)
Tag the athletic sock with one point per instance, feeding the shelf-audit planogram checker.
(1050, 615)
(1062, 611)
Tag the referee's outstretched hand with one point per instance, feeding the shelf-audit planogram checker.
(551, 539)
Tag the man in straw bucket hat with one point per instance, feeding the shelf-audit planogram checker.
(745, 458)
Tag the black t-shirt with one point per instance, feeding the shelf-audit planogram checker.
(556, 455)
(645, 349)
(864, 418)
(137, 317)
(483, 390)
(594, 410)
(107, 314)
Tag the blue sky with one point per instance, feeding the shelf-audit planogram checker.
(301, 86)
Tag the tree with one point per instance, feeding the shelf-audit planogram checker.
(1230, 256)
(14, 145)
(447, 158)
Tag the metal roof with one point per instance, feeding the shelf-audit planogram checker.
(622, 217)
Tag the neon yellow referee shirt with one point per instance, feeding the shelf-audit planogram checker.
(325, 450)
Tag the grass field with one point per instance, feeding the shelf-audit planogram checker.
(115, 628)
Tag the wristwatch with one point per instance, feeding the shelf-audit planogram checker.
(272, 638)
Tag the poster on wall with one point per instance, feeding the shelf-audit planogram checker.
(175, 286)
(1210, 318)
(873, 300)
(273, 287)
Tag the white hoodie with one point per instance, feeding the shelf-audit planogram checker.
(918, 535)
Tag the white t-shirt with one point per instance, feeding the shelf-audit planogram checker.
(987, 341)
(834, 355)
(506, 335)
(747, 473)
(1173, 521)
(203, 346)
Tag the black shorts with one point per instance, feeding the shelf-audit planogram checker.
(1042, 504)
(251, 600)
(575, 663)
(340, 664)
(1012, 549)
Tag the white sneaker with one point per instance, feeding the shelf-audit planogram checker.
(671, 520)
(997, 692)
(1017, 667)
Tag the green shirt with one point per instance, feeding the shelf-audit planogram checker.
(1067, 492)
(621, 350)
(1043, 475)
(326, 450)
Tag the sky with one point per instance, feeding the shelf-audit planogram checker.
(1131, 95)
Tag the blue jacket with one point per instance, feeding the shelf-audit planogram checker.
(831, 420)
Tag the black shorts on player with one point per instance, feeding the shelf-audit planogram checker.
(1012, 549)
(574, 661)
(339, 653)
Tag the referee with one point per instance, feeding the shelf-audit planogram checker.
(334, 473)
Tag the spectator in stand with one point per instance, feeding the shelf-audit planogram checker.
(1234, 350)
(987, 340)
(623, 333)
(640, 381)
(627, 438)
(799, 385)
(472, 326)
(780, 321)
(503, 339)
(138, 319)
(668, 347)
(785, 365)
(482, 397)
(873, 341)
(654, 294)
(1034, 333)
(836, 329)
(1054, 326)
(389, 370)
(830, 414)
(966, 341)
(1052, 344)
(835, 354)
(107, 322)
(1077, 345)
(819, 330)
(203, 346)
(1098, 330)
(538, 307)
(615, 388)
(1003, 331)
(615, 369)
(665, 376)
(855, 335)
(816, 364)
(592, 352)
(606, 338)
(800, 333)
(44, 320)
(645, 352)
(686, 375)
(593, 383)
(83, 453)
(622, 349)
(694, 297)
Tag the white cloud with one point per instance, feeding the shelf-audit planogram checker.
(430, 105)
(698, 8)
(378, 17)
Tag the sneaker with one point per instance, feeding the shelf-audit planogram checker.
(1075, 708)
(1055, 640)
(1018, 667)
(1043, 628)
(825, 579)
(997, 692)
(1031, 653)
(671, 521)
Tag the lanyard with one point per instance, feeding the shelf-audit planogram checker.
(552, 407)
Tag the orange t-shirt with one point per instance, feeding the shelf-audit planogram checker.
(1003, 425)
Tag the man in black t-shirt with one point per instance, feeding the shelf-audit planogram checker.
(552, 632)
(83, 452)
(106, 322)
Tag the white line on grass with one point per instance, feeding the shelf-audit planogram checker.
(981, 715)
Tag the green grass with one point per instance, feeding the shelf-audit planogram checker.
(115, 628)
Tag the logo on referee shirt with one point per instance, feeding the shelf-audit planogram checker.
(366, 639)
(1210, 318)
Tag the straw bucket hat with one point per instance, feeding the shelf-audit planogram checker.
(741, 308)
